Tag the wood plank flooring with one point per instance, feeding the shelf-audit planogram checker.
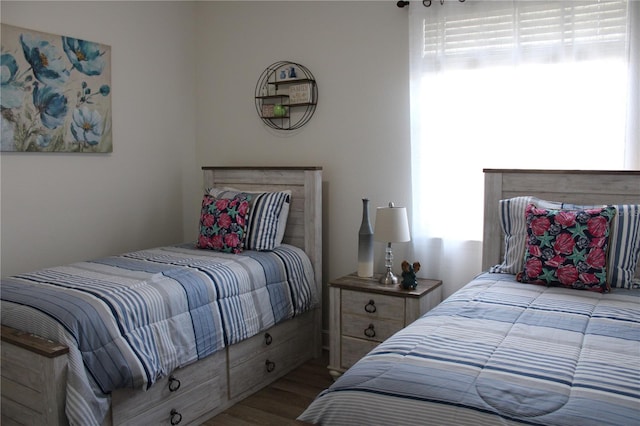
(280, 403)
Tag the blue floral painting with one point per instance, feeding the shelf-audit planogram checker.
(55, 94)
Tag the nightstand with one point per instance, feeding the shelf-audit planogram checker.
(363, 313)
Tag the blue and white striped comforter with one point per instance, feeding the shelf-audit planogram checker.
(132, 319)
(499, 352)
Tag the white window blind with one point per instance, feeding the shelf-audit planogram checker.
(578, 30)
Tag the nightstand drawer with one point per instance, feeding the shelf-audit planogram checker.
(353, 350)
(372, 305)
(368, 328)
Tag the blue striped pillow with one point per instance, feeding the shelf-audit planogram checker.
(266, 228)
(268, 213)
(624, 245)
(513, 223)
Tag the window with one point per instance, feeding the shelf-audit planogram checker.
(512, 84)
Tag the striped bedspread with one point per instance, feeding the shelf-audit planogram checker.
(132, 319)
(499, 352)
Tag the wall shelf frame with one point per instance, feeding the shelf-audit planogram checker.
(286, 95)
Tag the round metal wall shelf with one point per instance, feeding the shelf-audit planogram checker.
(286, 95)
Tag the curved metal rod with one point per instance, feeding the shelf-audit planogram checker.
(425, 3)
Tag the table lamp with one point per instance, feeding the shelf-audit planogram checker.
(392, 226)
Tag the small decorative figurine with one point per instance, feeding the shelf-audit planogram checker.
(409, 271)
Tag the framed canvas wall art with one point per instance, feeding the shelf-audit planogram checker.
(55, 94)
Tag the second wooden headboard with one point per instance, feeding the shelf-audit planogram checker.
(570, 186)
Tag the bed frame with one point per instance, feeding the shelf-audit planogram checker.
(34, 369)
(570, 186)
(575, 187)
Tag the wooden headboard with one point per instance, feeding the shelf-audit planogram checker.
(570, 186)
(304, 225)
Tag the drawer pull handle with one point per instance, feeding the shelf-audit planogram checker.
(270, 366)
(370, 307)
(174, 384)
(268, 339)
(369, 331)
(175, 417)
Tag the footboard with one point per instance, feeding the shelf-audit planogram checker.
(33, 379)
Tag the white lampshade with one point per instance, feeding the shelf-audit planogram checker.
(392, 225)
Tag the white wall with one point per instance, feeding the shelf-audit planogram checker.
(60, 208)
(358, 52)
(183, 100)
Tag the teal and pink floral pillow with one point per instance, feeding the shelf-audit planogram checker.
(567, 248)
(223, 223)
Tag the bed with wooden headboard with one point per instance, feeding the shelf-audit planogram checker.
(36, 366)
(504, 350)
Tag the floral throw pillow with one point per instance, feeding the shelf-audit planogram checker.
(567, 248)
(223, 223)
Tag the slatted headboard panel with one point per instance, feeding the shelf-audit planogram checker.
(570, 186)
(304, 225)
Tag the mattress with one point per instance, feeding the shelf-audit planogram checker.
(131, 319)
(499, 352)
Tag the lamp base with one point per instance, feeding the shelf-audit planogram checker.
(388, 278)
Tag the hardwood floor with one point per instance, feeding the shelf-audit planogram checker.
(280, 403)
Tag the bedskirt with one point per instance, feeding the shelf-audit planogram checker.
(499, 352)
(138, 316)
